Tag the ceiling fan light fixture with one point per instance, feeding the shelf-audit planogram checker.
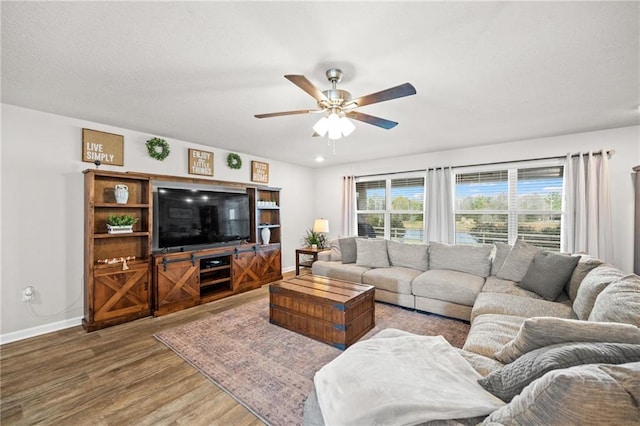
(321, 126)
(346, 126)
(335, 129)
(334, 133)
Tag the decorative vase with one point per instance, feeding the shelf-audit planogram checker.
(266, 235)
(122, 194)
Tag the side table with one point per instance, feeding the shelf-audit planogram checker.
(307, 251)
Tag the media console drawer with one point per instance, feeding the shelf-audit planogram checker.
(332, 311)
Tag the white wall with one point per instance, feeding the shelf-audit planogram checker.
(43, 218)
(625, 141)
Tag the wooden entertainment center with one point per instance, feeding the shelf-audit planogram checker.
(126, 280)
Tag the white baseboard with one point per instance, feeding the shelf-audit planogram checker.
(39, 330)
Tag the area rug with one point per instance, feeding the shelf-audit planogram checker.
(269, 369)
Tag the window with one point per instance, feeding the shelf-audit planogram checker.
(391, 208)
(503, 205)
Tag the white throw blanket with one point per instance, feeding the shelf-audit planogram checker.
(401, 381)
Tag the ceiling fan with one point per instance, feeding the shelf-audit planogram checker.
(339, 105)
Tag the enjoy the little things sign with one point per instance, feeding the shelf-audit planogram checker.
(200, 162)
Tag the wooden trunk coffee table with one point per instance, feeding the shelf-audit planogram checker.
(332, 311)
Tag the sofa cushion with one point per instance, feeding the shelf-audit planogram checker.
(508, 381)
(508, 304)
(585, 265)
(500, 255)
(451, 286)
(396, 279)
(482, 364)
(494, 284)
(548, 273)
(336, 253)
(539, 332)
(619, 302)
(348, 249)
(567, 397)
(517, 262)
(470, 258)
(592, 285)
(415, 256)
(489, 333)
(341, 271)
(372, 253)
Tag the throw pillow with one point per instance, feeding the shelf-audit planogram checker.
(348, 249)
(592, 285)
(585, 265)
(538, 332)
(594, 394)
(517, 262)
(509, 381)
(470, 258)
(414, 256)
(619, 302)
(336, 253)
(548, 273)
(502, 251)
(372, 253)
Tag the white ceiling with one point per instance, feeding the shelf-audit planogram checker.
(485, 72)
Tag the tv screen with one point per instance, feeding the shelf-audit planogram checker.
(190, 217)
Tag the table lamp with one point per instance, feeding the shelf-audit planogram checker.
(321, 226)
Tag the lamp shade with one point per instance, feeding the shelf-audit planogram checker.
(321, 225)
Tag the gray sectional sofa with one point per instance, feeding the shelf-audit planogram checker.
(556, 337)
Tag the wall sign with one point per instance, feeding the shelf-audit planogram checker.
(106, 148)
(259, 172)
(200, 162)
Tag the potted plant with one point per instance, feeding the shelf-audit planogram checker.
(314, 239)
(120, 224)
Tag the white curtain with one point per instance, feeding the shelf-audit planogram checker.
(348, 205)
(587, 225)
(439, 211)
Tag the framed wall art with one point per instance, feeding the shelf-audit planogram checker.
(200, 162)
(102, 148)
(259, 172)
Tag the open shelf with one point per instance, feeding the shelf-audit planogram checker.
(215, 275)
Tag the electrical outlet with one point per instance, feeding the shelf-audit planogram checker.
(27, 293)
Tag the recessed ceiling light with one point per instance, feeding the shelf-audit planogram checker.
(319, 159)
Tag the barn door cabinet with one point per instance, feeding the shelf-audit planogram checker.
(188, 279)
(117, 273)
(176, 286)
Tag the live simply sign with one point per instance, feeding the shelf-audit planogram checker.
(107, 148)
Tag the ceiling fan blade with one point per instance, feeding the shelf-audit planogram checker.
(279, 114)
(302, 82)
(400, 91)
(370, 119)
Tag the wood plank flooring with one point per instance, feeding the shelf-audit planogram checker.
(116, 376)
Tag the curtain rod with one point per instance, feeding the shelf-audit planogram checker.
(609, 152)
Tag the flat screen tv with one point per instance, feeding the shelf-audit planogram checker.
(185, 217)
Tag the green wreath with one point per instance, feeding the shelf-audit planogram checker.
(154, 144)
(234, 161)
